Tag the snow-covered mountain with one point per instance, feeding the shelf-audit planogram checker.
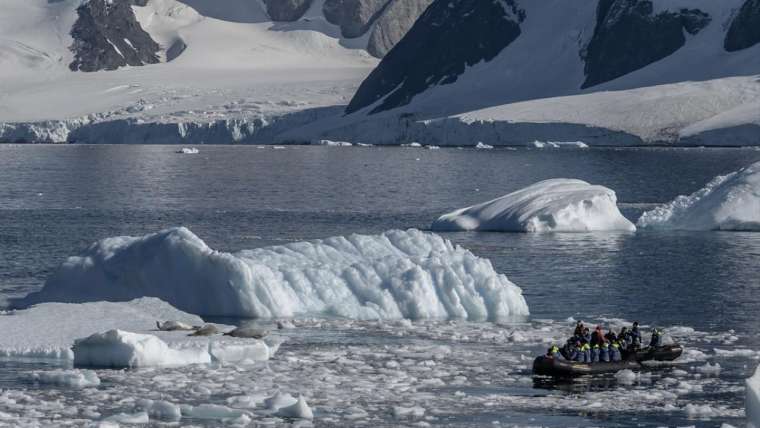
(611, 71)
(163, 70)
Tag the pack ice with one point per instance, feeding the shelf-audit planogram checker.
(729, 202)
(398, 274)
(557, 205)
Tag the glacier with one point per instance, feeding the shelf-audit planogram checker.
(728, 202)
(398, 274)
(557, 205)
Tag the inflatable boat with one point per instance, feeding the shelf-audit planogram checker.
(548, 366)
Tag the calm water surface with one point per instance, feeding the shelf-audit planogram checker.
(54, 200)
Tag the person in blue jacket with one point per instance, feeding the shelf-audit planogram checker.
(553, 352)
(577, 354)
(656, 340)
(604, 353)
(595, 353)
(615, 354)
(636, 335)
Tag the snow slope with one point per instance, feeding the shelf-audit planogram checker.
(729, 202)
(699, 95)
(558, 205)
(235, 74)
(395, 275)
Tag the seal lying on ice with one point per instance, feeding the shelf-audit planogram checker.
(248, 333)
(174, 326)
(206, 330)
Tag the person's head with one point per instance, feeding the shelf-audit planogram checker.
(598, 328)
(635, 323)
(579, 322)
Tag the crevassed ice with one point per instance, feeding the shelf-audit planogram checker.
(729, 202)
(398, 274)
(558, 205)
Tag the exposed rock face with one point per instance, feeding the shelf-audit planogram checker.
(395, 22)
(629, 36)
(287, 10)
(745, 29)
(354, 17)
(447, 37)
(107, 36)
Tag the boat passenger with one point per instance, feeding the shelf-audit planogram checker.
(656, 340)
(577, 354)
(595, 353)
(636, 334)
(586, 350)
(597, 338)
(578, 328)
(615, 352)
(604, 353)
(610, 336)
(586, 335)
(553, 352)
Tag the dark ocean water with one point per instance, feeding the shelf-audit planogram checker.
(55, 200)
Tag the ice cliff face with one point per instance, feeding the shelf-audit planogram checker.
(107, 36)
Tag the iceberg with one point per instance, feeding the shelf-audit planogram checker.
(557, 205)
(121, 349)
(728, 202)
(752, 400)
(398, 274)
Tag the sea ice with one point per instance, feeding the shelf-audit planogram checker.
(558, 205)
(729, 202)
(331, 143)
(67, 378)
(48, 330)
(483, 146)
(395, 275)
(298, 410)
(121, 349)
(188, 151)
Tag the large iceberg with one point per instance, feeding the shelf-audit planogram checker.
(398, 274)
(728, 202)
(752, 400)
(558, 205)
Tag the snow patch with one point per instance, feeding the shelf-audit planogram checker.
(66, 378)
(558, 205)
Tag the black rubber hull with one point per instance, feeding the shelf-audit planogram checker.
(563, 368)
(663, 353)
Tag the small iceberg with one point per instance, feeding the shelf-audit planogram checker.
(558, 205)
(188, 151)
(414, 145)
(395, 275)
(483, 146)
(558, 144)
(729, 202)
(752, 400)
(331, 143)
(120, 349)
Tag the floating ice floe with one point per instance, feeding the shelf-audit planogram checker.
(48, 330)
(483, 146)
(558, 205)
(121, 349)
(729, 202)
(412, 145)
(398, 274)
(752, 400)
(558, 144)
(331, 143)
(188, 151)
(76, 379)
